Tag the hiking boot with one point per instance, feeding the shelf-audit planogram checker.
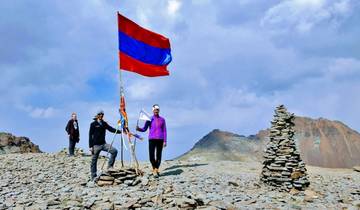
(155, 175)
(91, 183)
(157, 171)
(154, 172)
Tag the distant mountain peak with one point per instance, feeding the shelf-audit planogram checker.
(221, 145)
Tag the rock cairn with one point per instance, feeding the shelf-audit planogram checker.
(283, 167)
(128, 176)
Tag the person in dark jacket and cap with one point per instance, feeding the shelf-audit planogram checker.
(97, 142)
(72, 129)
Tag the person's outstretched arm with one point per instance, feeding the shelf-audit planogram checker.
(146, 126)
(111, 129)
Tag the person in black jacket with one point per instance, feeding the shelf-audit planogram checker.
(72, 128)
(97, 142)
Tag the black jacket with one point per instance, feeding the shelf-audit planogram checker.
(97, 132)
(70, 129)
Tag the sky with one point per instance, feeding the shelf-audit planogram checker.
(233, 63)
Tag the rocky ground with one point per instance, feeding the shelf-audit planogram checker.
(14, 144)
(55, 181)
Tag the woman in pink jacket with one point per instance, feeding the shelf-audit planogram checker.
(157, 138)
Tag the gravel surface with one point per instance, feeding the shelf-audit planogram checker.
(55, 181)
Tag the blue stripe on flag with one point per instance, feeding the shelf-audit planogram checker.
(143, 52)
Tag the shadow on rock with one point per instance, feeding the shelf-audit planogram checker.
(185, 166)
(173, 172)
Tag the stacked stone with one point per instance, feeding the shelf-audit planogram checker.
(283, 167)
(128, 176)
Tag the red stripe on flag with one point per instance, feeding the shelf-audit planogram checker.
(141, 34)
(130, 64)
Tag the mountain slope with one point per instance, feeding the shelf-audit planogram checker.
(222, 145)
(327, 143)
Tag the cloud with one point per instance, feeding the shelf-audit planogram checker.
(143, 89)
(38, 112)
(52, 53)
(240, 13)
(228, 71)
(303, 15)
(42, 112)
(230, 109)
(344, 68)
(173, 7)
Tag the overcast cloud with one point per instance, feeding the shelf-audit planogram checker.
(233, 62)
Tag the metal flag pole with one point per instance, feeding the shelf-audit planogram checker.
(122, 128)
(122, 148)
(121, 94)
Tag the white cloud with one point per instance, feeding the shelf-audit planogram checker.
(237, 110)
(303, 15)
(42, 112)
(143, 18)
(221, 77)
(342, 7)
(341, 67)
(38, 112)
(143, 89)
(201, 2)
(173, 7)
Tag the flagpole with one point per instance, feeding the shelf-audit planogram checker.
(120, 74)
(121, 92)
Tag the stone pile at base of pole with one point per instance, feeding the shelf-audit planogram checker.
(128, 176)
(283, 167)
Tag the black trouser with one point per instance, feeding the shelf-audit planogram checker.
(71, 146)
(95, 156)
(155, 145)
